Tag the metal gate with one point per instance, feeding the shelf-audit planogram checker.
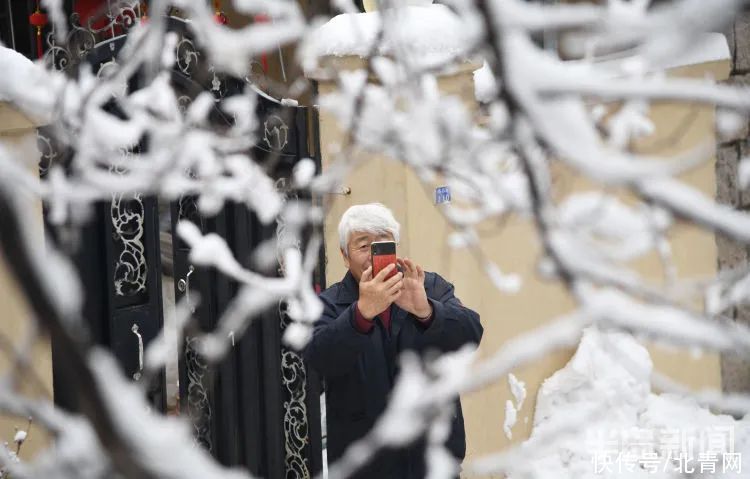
(259, 407)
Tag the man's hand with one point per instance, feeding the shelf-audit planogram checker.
(414, 298)
(376, 294)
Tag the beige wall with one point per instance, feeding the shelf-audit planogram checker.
(514, 247)
(679, 128)
(36, 383)
(18, 136)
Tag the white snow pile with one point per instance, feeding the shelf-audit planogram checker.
(27, 86)
(20, 436)
(710, 47)
(485, 85)
(518, 389)
(597, 418)
(423, 36)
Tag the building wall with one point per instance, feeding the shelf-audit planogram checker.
(16, 324)
(513, 245)
(735, 371)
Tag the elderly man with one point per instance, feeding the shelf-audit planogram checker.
(367, 322)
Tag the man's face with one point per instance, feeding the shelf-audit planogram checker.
(358, 257)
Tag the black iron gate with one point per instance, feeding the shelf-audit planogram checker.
(259, 407)
(116, 253)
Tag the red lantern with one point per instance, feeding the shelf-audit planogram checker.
(38, 20)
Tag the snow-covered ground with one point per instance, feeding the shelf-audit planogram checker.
(598, 418)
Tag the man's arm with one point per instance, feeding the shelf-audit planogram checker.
(339, 339)
(452, 324)
(336, 342)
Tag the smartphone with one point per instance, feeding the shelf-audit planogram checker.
(383, 254)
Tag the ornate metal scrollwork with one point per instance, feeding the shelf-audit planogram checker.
(48, 153)
(183, 103)
(188, 62)
(257, 76)
(218, 84)
(187, 56)
(109, 69)
(275, 133)
(127, 214)
(198, 403)
(296, 431)
(78, 43)
(115, 20)
(187, 207)
(293, 378)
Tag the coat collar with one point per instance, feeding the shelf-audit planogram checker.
(349, 291)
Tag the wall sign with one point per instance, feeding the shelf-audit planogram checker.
(442, 195)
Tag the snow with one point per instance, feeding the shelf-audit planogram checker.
(303, 172)
(27, 86)
(506, 283)
(743, 173)
(246, 307)
(57, 17)
(518, 390)
(399, 425)
(286, 24)
(297, 335)
(605, 225)
(57, 275)
(606, 386)
(705, 47)
(666, 323)
(729, 124)
(485, 85)
(76, 453)
(690, 203)
(425, 35)
(708, 47)
(166, 437)
(601, 407)
(630, 123)
(564, 121)
(20, 436)
(511, 415)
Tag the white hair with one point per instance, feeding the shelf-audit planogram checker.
(372, 218)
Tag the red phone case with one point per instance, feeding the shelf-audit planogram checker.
(380, 261)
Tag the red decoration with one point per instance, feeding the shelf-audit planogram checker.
(262, 18)
(87, 9)
(220, 18)
(218, 14)
(38, 20)
(144, 12)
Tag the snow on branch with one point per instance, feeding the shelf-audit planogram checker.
(539, 113)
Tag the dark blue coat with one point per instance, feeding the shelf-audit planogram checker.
(360, 369)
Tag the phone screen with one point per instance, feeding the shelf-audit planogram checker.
(383, 254)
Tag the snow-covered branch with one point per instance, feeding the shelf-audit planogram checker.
(543, 114)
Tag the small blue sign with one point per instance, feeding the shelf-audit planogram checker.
(442, 195)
